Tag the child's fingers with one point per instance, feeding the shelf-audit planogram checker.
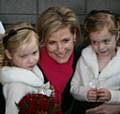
(103, 95)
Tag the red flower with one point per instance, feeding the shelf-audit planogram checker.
(35, 103)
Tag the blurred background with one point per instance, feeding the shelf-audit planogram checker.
(12, 11)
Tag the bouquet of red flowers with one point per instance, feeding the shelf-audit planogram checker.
(36, 104)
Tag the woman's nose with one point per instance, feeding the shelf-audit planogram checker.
(60, 47)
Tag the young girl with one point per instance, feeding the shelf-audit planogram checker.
(97, 76)
(20, 74)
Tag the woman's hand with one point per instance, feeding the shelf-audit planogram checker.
(104, 109)
(58, 108)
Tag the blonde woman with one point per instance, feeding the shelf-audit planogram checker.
(59, 30)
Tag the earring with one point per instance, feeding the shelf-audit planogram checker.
(74, 40)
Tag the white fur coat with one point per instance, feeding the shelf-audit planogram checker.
(87, 75)
(17, 82)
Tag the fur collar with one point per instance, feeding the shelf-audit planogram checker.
(90, 59)
(15, 74)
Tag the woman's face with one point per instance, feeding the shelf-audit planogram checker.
(60, 45)
(103, 42)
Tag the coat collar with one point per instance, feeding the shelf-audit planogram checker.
(90, 59)
(15, 74)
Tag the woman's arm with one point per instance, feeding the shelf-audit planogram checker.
(105, 109)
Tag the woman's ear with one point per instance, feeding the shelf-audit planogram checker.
(118, 36)
(8, 54)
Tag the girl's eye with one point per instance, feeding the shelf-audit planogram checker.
(106, 41)
(35, 52)
(23, 56)
(93, 42)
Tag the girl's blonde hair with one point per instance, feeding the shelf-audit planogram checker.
(98, 19)
(16, 36)
(55, 18)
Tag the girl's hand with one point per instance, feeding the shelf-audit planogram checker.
(103, 95)
(92, 94)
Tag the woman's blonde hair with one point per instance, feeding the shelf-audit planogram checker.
(55, 18)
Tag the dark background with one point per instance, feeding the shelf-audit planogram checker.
(12, 11)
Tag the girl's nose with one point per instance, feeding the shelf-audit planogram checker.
(31, 59)
(101, 45)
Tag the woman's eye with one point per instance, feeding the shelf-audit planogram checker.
(51, 42)
(66, 40)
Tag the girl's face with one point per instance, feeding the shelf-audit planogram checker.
(26, 56)
(103, 42)
(60, 45)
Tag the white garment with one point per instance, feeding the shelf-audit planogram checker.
(87, 75)
(17, 82)
(2, 30)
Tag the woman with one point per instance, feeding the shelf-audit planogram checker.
(59, 31)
